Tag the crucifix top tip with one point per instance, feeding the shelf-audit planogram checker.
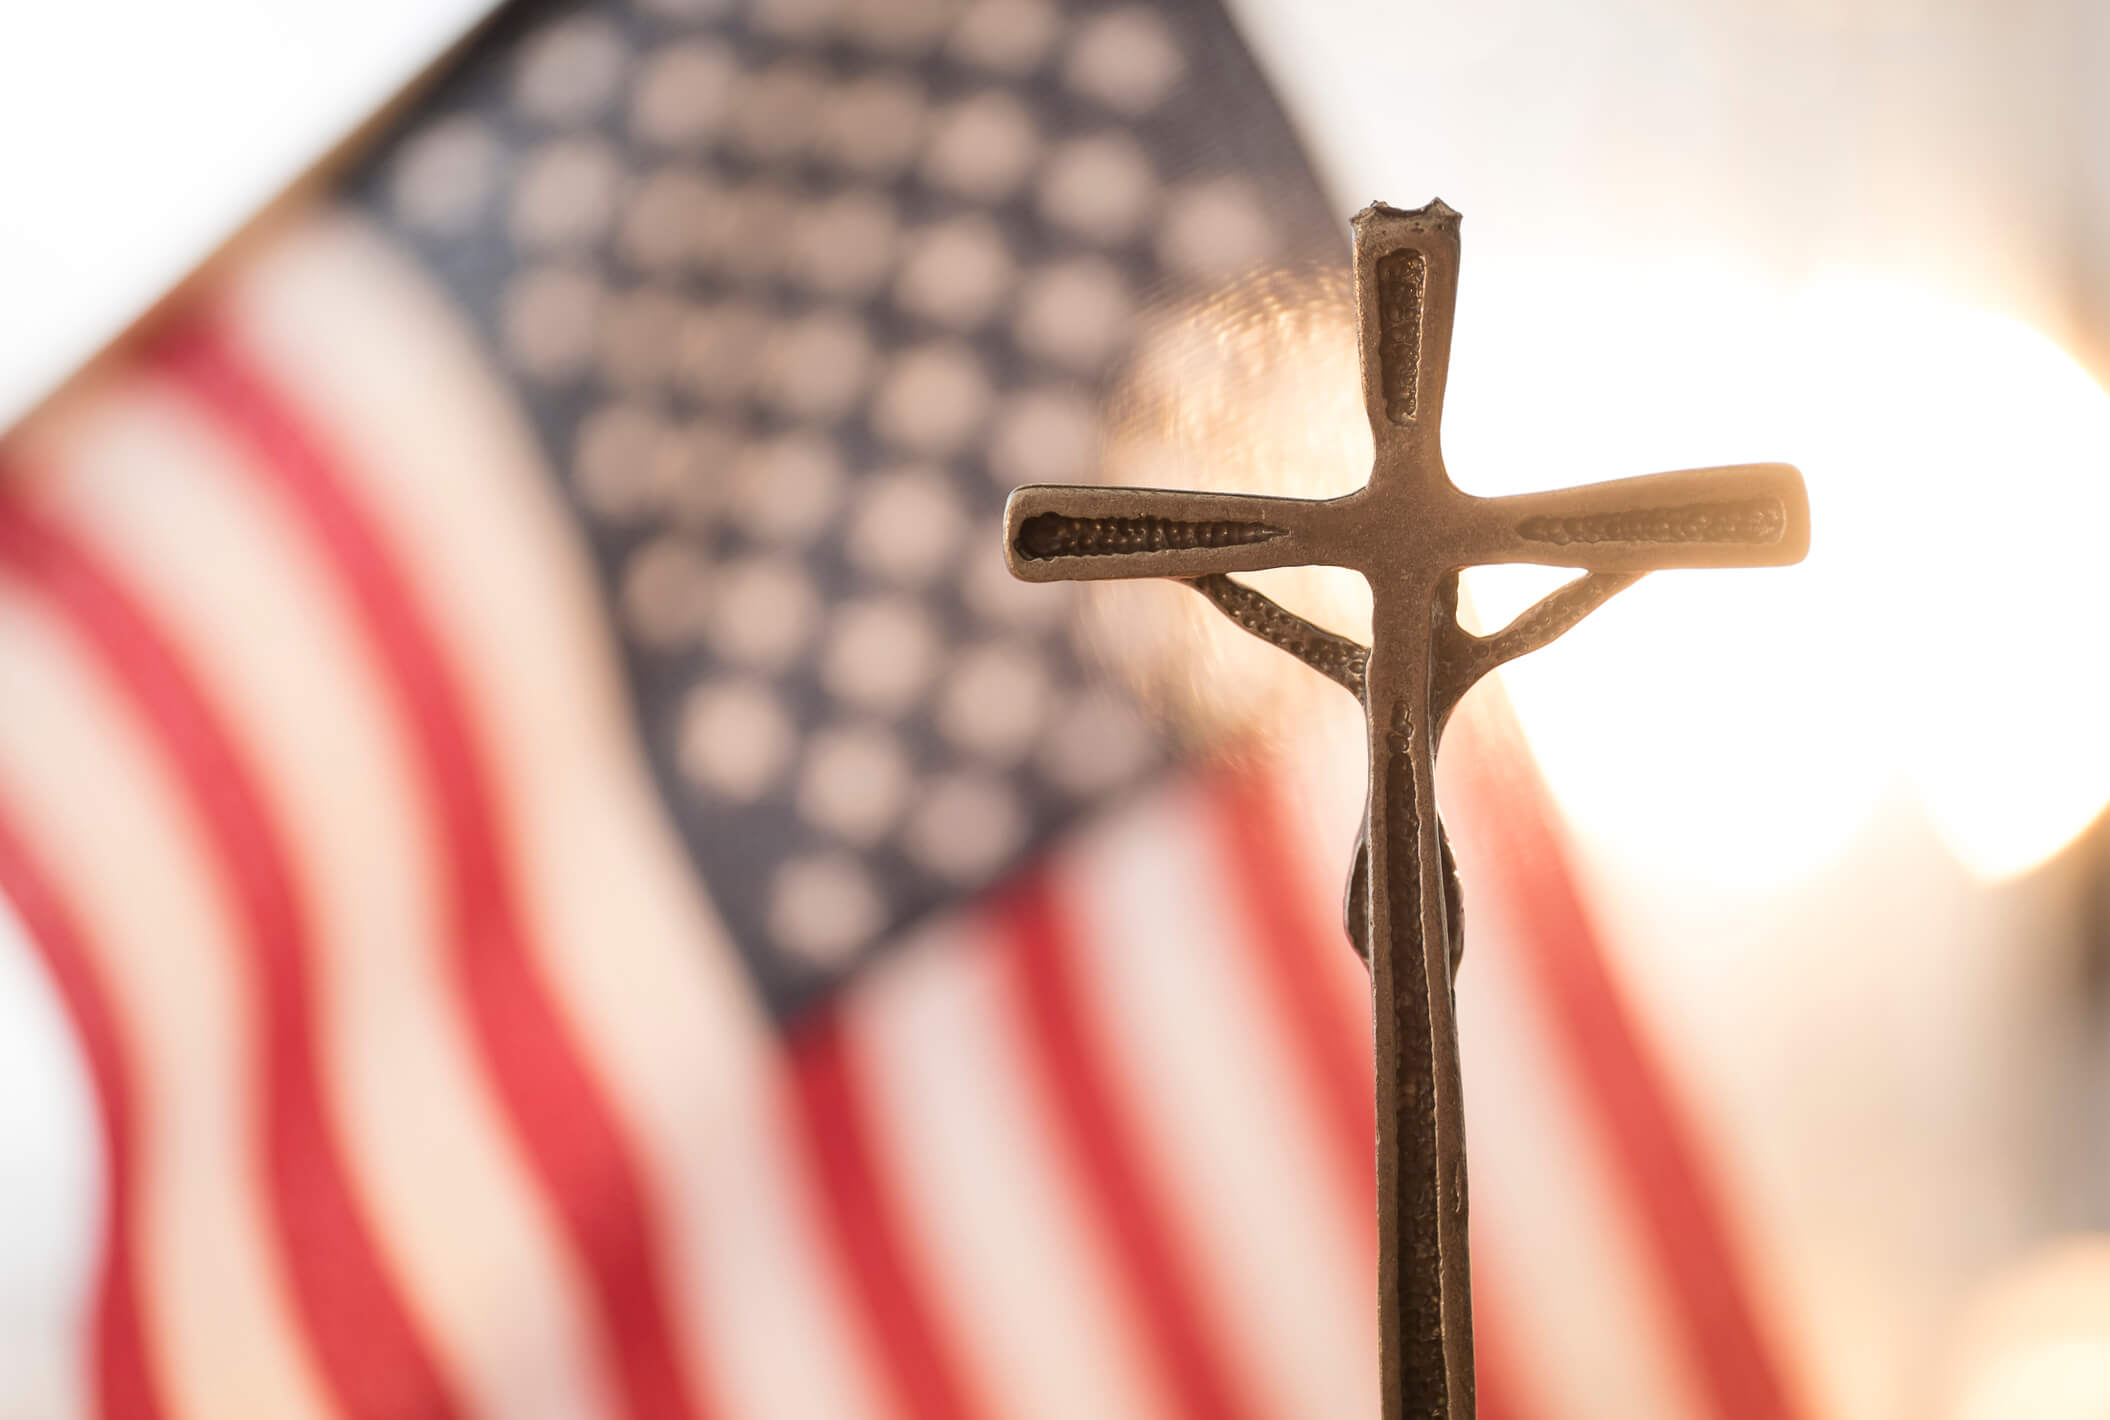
(1437, 213)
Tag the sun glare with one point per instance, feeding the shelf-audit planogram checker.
(1943, 632)
(1735, 728)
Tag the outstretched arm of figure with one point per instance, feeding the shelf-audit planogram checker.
(1462, 658)
(1339, 659)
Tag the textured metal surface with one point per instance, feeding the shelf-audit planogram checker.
(1408, 531)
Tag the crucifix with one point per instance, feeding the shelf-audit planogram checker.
(1409, 531)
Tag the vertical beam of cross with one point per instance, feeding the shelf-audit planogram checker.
(1408, 531)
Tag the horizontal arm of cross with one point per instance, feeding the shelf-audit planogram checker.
(1747, 515)
(1056, 532)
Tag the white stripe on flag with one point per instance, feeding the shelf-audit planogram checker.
(1020, 1280)
(637, 959)
(97, 806)
(141, 478)
(55, 1176)
(1194, 1042)
(781, 1339)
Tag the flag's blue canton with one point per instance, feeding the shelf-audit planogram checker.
(794, 290)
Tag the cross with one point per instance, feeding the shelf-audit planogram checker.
(1409, 530)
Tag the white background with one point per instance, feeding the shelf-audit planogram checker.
(136, 135)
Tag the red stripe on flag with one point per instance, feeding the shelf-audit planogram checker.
(364, 1338)
(1332, 1048)
(554, 1104)
(1651, 1145)
(865, 1222)
(1084, 1103)
(124, 1382)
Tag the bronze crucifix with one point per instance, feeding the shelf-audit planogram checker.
(1408, 531)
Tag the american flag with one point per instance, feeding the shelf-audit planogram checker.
(582, 890)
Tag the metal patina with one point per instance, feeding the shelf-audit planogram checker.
(1409, 531)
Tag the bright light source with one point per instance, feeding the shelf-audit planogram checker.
(2036, 1341)
(1742, 726)
(1734, 728)
(1721, 725)
(1984, 496)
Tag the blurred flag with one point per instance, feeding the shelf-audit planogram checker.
(584, 890)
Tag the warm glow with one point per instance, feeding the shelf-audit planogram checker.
(2036, 1341)
(1252, 392)
(1943, 632)
(2011, 735)
(1732, 728)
